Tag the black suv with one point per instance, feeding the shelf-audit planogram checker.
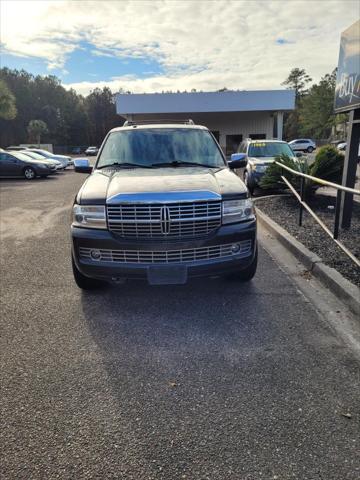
(161, 204)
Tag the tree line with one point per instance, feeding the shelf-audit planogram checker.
(314, 107)
(64, 117)
(33, 106)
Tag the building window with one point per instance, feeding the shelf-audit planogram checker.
(232, 143)
(216, 134)
(257, 136)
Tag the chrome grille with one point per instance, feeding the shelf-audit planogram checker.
(173, 220)
(168, 256)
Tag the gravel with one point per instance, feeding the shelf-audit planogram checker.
(284, 210)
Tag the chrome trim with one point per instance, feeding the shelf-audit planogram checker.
(164, 197)
(174, 220)
(149, 257)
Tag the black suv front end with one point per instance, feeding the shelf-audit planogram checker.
(105, 255)
(162, 221)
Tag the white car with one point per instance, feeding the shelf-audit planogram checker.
(91, 151)
(37, 156)
(303, 145)
(63, 159)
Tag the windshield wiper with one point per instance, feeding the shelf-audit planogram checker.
(176, 163)
(124, 164)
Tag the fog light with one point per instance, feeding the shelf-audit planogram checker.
(235, 248)
(95, 254)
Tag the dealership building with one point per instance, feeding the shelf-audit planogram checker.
(231, 115)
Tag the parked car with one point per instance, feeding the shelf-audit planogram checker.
(259, 154)
(16, 164)
(92, 151)
(65, 160)
(342, 148)
(303, 145)
(37, 156)
(77, 151)
(161, 204)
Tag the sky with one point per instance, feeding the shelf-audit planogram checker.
(154, 46)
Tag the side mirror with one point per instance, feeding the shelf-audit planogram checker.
(298, 154)
(82, 165)
(237, 160)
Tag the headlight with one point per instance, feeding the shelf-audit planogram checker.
(237, 210)
(259, 168)
(89, 216)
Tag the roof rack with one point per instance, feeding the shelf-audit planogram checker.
(129, 123)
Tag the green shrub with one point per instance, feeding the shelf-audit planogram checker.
(272, 177)
(328, 164)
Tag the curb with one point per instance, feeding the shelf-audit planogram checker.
(344, 290)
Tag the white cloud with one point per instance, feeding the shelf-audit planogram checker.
(204, 45)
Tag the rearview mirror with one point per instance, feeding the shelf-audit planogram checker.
(237, 160)
(82, 165)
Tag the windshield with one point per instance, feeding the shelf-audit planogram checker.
(34, 155)
(150, 147)
(269, 149)
(21, 156)
(44, 153)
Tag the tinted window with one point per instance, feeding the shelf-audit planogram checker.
(161, 145)
(269, 149)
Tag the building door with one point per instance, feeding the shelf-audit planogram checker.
(232, 143)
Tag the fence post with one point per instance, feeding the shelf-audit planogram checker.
(337, 213)
(302, 193)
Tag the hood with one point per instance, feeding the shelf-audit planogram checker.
(263, 160)
(111, 186)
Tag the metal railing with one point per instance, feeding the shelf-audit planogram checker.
(340, 188)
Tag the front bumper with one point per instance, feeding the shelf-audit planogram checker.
(110, 268)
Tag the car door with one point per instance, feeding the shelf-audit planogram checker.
(9, 165)
(3, 165)
(15, 165)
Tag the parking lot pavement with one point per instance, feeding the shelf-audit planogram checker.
(212, 380)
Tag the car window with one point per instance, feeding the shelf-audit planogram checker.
(161, 145)
(44, 153)
(33, 155)
(20, 156)
(269, 149)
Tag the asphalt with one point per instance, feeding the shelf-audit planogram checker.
(213, 380)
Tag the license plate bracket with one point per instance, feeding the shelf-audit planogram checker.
(167, 275)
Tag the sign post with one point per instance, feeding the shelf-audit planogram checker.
(347, 99)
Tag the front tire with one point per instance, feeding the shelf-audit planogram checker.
(29, 173)
(83, 282)
(310, 149)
